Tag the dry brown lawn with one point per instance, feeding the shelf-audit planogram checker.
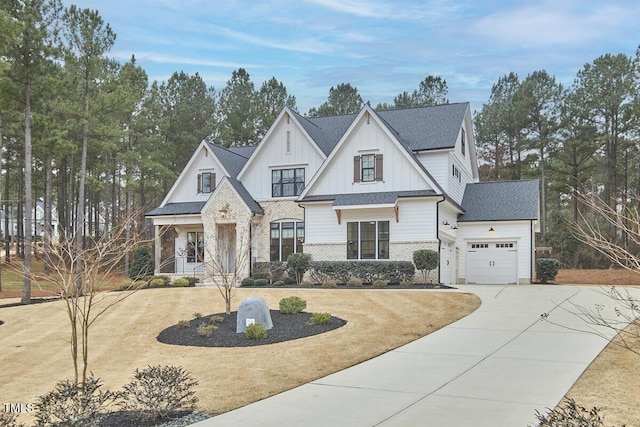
(34, 351)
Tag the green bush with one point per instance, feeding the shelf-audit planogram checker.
(425, 261)
(306, 284)
(142, 264)
(192, 280)
(248, 281)
(570, 414)
(70, 404)
(292, 305)
(354, 283)
(278, 283)
(547, 269)
(320, 318)
(256, 331)
(329, 284)
(289, 280)
(160, 390)
(183, 324)
(379, 284)
(261, 282)
(297, 265)
(366, 271)
(181, 282)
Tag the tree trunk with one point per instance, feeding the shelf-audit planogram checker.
(26, 279)
(543, 196)
(48, 232)
(7, 225)
(6, 230)
(79, 229)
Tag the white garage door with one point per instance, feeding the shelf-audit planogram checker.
(494, 262)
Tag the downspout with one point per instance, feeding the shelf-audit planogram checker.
(533, 252)
(438, 238)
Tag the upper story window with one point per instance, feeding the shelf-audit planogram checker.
(463, 144)
(287, 182)
(367, 168)
(456, 173)
(206, 182)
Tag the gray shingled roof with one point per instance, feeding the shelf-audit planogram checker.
(232, 159)
(501, 201)
(422, 128)
(183, 208)
(246, 197)
(380, 198)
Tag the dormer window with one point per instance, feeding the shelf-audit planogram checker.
(367, 168)
(287, 182)
(463, 143)
(206, 182)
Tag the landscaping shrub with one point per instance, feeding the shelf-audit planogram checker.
(206, 329)
(216, 318)
(72, 404)
(8, 419)
(183, 324)
(248, 281)
(379, 284)
(272, 271)
(306, 284)
(160, 390)
(425, 261)
(329, 284)
(547, 269)
(181, 282)
(192, 280)
(570, 414)
(366, 271)
(142, 264)
(354, 283)
(256, 331)
(292, 305)
(197, 315)
(320, 318)
(156, 283)
(278, 283)
(297, 265)
(289, 280)
(261, 282)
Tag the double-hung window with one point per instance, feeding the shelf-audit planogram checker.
(206, 182)
(368, 240)
(287, 182)
(367, 168)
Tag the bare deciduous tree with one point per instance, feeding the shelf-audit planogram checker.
(99, 260)
(227, 259)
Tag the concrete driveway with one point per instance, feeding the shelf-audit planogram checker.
(495, 368)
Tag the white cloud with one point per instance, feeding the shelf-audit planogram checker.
(379, 9)
(169, 59)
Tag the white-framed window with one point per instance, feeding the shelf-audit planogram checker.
(286, 238)
(206, 182)
(287, 182)
(368, 240)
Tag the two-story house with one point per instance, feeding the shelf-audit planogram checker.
(368, 186)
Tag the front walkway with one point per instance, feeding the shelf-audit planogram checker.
(493, 368)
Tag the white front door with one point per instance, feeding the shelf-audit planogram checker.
(446, 263)
(492, 263)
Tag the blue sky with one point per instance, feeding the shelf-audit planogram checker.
(382, 47)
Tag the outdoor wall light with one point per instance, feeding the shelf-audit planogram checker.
(224, 211)
(491, 230)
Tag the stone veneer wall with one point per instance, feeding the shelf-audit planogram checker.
(274, 211)
(238, 215)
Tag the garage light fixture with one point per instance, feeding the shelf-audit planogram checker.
(491, 230)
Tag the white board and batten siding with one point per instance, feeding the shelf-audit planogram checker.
(276, 153)
(501, 256)
(186, 188)
(416, 221)
(399, 173)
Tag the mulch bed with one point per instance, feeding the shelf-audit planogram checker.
(286, 327)
(390, 286)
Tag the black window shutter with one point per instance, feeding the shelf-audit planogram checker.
(199, 183)
(356, 168)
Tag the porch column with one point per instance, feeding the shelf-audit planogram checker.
(157, 250)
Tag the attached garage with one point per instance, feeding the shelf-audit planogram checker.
(492, 262)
